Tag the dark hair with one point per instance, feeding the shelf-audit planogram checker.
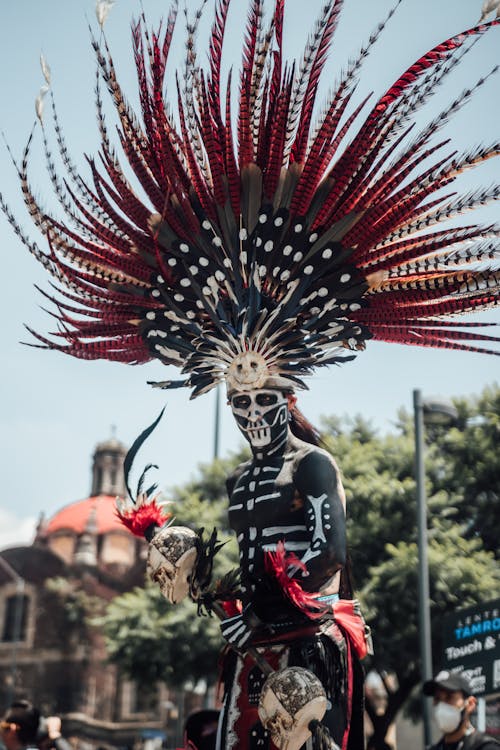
(196, 723)
(302, 428)
(346, 586)
(27, 718)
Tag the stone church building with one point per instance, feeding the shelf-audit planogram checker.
(48, 654)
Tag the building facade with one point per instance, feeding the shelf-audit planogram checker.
(80, 559)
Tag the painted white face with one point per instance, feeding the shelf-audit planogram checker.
(261, 415)
(172, 557)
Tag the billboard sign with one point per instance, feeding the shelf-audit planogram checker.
(471, 644)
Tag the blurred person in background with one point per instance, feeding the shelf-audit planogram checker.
(200, 730)
(453, 706)
(49, 735)
(19, 726)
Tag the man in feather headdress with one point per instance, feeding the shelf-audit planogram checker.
(257, 248)
(287, 508)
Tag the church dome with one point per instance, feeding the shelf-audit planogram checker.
(89, 532)
(96, 512)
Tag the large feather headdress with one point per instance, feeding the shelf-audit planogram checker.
(264, 236)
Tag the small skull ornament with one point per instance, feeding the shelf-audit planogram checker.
(290, 700)
(172, 558)
(247, 370)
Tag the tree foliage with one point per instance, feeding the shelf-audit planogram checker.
(462, 486)
(154, 641)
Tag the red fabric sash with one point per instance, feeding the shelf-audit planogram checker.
(348, 615)
(346, 612)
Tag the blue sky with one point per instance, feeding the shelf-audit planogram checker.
(55, 409)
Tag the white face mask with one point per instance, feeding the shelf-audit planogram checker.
(448, 718)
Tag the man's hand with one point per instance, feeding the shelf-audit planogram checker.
(238, 629)
(53, 727)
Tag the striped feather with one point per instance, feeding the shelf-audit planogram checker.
(223, 221)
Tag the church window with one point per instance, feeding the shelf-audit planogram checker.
(15, 618)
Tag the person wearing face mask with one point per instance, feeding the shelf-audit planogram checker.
(453, 706)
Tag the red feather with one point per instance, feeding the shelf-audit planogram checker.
(276, 565)
(137, 520)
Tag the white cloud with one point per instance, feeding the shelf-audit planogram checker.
(16, 531)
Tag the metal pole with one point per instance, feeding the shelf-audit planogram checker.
(217, 422)
(481, 714)
(424, 621)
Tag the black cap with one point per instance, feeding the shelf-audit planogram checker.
(452, 681)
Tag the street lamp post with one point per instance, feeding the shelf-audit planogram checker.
(437, 413)
(217, 422)
(424, 618)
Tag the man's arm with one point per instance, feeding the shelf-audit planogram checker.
(317, 479)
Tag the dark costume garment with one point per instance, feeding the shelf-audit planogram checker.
(292, 495)
(324, 654)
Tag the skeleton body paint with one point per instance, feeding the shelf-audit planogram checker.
(268, 504)
(289, 491)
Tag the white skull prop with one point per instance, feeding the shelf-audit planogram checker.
(172, 557)
(261, 415)
(290, 700)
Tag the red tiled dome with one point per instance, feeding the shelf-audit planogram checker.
(99, 510)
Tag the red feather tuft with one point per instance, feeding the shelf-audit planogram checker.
(137, 520)
(232, 607)
(277, 564)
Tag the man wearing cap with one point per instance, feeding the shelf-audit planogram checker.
(453, 705)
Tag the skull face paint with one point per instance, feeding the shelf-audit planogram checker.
(262, 416)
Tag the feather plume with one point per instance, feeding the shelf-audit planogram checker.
(225, 220)
(277, 564)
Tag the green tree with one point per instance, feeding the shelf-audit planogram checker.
(471, 467)
(153, 641)
(462, 470)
